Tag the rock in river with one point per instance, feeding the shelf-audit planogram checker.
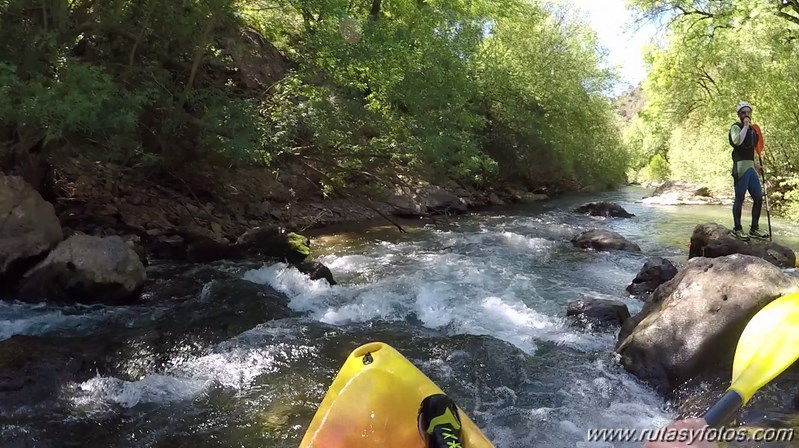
(691, 324)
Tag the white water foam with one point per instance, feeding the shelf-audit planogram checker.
(96, 394)
(461, 293)
(33, 319)
(235, 368)
(353, 263)
(496, 282)
(18, 318)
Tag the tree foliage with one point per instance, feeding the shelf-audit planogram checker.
(361, 92)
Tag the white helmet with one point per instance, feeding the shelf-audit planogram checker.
(741, 105)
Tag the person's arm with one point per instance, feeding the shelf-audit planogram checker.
(738, 134)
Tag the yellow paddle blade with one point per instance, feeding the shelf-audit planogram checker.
(768, 345)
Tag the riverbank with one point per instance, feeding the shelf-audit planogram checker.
(213, 206)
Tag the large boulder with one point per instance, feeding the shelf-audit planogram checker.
(598, 313)
(405, 203)
(714, 240)
(436, 200)
(259, 64)
(603, 239)
(606, 209)
(656, 271)
(86, 269)
(674, 192)
(691, 324)
(426, 200)
(29, 227)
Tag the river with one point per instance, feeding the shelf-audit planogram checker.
(477, 303)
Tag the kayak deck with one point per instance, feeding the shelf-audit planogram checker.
(374, 401)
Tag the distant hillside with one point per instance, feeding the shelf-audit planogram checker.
(630, 103)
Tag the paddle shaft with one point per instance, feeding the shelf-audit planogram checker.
(765, 196)
(723, 411)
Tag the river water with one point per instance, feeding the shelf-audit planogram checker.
(477, 303)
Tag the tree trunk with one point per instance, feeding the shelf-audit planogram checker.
(373, 13)
(198, 54)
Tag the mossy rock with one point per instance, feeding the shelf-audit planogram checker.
(273, 242)
(299, 243)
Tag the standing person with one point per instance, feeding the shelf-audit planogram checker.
(743, 140)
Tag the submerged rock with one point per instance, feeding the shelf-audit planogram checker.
(316, 271)
(714, 240)
(34, 370)
(40, 371)
(656, 271)
(606, 209)
(603, 239)
(601, 313)
(227, 307)
(691, 324)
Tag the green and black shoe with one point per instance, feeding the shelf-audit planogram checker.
(759, 234)
(439, 422)
(739, 233)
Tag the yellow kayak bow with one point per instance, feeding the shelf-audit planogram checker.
(374, 401)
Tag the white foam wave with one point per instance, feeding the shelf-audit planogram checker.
(18, 318)
(525, 242)
(450, 292)
(97, 393)
(236, 368)
(617, 400)
(350, 263)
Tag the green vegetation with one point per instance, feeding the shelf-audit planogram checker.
(717, 54)
(298, 243)
(361, 92)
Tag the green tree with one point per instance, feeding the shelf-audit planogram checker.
(364, 94)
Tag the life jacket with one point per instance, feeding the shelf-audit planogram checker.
(759, 145)
(746, 150)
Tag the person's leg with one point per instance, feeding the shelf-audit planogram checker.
(737, 206)
(756, 192)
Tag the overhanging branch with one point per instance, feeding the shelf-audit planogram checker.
(787, 16)
(794, 5)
